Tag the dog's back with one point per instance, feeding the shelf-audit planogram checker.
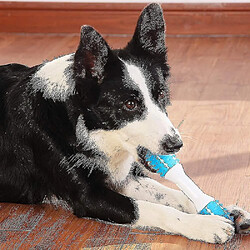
(10, 74)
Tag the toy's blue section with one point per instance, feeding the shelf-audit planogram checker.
(161, 163)
(215, 208)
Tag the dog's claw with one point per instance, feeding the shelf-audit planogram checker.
(241, 219)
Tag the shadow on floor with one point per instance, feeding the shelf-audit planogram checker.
(218, 164)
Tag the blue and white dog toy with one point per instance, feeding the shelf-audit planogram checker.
(169, 167)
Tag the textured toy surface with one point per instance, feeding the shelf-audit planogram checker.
(216, 208)
(162, 164)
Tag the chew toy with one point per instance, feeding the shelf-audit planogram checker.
(169, 167)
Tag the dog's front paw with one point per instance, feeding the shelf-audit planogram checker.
(241, 219)
(211, 229)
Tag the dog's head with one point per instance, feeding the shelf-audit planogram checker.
(124, 92)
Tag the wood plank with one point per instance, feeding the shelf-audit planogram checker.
(12, 239)
(210, 91)
(239, 6)
(13, 48)
(121, 18)
(62, 229)
(167, 241)
(19, 217)
(178, 242)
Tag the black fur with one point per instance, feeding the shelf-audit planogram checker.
(39, 152)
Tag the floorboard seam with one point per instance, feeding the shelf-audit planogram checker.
(130, 35)
(15, 230)
(124, 241)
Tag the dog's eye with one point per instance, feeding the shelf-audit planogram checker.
(131, 104)
(161, 94)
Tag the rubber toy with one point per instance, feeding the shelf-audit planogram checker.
(169, 167)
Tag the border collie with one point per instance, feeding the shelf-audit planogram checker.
(71, 128)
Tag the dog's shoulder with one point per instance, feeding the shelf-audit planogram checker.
(11, 74)
(13, 71)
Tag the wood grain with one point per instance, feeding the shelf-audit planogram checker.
(120, 18)
(239, 6)
(210, 92)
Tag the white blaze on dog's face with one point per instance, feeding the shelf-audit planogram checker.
(144, 122)
(155, 126)
(149, 126)
(124, 92)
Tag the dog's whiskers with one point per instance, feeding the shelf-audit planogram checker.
(180, 124)
(188, 137)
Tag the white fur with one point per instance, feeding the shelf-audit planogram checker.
(216, 228)
(120, 145)
(151, 130)
(53, 80)
(112, 144)
(150, 190)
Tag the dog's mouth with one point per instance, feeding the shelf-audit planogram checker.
(171, 151)
(142, 153)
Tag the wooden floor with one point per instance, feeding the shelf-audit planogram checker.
(210, 94)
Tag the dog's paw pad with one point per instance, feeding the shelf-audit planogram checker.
(244, 227)
(235, 213)
(217, 239)
(241, 220)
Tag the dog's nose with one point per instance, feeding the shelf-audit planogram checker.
(172, 144)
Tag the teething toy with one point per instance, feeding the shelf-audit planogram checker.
(169, 167)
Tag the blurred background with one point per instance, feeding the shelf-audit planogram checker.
(184, 17)
(209, 54)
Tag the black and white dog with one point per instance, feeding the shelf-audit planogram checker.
(71, 128)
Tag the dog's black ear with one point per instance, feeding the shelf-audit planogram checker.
(149, 34)
(91, 55)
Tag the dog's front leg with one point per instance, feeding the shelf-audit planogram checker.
(209, 228)
(94, 199)
(144, 188)
(105, 204)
